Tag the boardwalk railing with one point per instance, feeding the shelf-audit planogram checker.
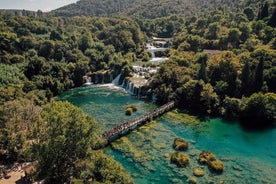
(129, 126)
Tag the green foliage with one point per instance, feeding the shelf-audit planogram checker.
(10, 74)
(259, 109)
(18, 117)
(64, 135)
(146, 9)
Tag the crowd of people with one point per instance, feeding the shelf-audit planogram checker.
(127, 126)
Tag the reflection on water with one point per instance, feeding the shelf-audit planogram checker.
(249, 157)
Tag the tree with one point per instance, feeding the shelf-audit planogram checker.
(64, 135)
(85, 41)
(246, 79)
(263, 12)
(234, 37)
(259, 110)
(259, 75)
(249, 12)
(208, 99)
(272, 21)
(46, 49)
(202, 74)
(231, 108)
(19, 116)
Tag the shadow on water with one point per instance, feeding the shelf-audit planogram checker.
(256, 126)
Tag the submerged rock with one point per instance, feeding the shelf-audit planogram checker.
(209, 158)
(180, 144)
(198, 172)
(192, 180)
(180, 159)
(217, 166)
(205, 157)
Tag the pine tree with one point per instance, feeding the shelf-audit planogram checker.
(259, 76)
(246, 79)
(202, 74)
(272, 21)
(263, 12)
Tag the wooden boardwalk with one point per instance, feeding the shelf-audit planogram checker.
(129, 126)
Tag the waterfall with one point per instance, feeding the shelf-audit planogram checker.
(88, 81)
(152, 54)
(116, 80)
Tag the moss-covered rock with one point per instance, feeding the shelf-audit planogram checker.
(217, 166)
(180, 144)
(198, 172)
(205, 157)
(192, 180)
(130, 109)
(209, 158)
(180, 159)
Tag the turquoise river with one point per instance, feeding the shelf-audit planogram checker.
(248, 156)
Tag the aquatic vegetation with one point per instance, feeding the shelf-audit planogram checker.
(183, 118)
(180, 144)
(180, 159)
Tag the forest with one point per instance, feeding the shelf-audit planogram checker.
(222, 63)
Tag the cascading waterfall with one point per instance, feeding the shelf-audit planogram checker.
(116, 80)
(88, 81)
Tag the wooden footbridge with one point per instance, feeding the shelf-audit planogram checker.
(127, 127)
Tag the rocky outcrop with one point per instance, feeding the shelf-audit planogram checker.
(209, 158)
(198, 172)
(180, 159)
(180, 144)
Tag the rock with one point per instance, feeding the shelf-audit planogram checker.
(209, 158)
(198, 172)
(180, 159)
(166, 155)
(192, 180)
(205, 157)
(180, 144)
(216, 165)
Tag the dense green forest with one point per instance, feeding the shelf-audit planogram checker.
(222, 63)
(40, 58)
(151, 9)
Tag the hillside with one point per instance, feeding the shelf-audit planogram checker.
(149, 8)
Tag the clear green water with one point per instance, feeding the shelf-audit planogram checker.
(249, 157)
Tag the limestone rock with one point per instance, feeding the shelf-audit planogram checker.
(217, 166)
(192, 180)
(180, 144)
(180, 159)
(209, 158)
(198, 172)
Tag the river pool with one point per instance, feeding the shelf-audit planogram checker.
(248, 156)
